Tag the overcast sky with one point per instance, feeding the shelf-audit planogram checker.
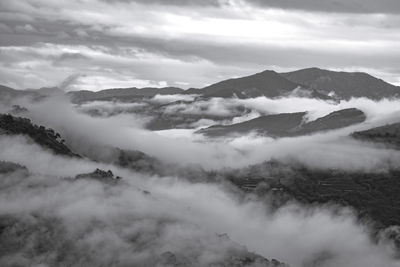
(97, 44)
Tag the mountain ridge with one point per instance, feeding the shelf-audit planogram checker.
(344, 84)
(319, 83)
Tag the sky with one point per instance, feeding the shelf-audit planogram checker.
(99, 44)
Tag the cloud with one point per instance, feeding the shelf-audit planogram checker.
(70, 57)
(173, 2)
(376, 111)
(218, 107)
(333, 149)
(51, 219)
(165, 99)
(347, 6)
(69, 81)
(103, 224)
(58, 220)
(329, 6)
(113, 108)
(195, 45)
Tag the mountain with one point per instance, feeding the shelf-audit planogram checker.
(311, 82)
(388, 135)
(344, 84)
(289, 124)
(123, 94)
(267, 83)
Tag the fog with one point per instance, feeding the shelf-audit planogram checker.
(333, 149)
(316, 108)
(159, 173)
(108, 108)
(165, 99)
(122, 224)
(144, 218)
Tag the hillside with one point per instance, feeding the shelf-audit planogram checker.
(266, 83)
(273, 125)
(47, 138)
(288, 124)
(344, 84)
(388, 135)
(374, 196)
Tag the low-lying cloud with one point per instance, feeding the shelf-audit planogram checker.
(334, 149)
(93, 223)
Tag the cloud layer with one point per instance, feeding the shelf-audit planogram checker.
(61, 221)
(77, 45)
(333, 149)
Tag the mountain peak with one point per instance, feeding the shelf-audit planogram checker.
(267, 83)
(267, 72)
(344, 84)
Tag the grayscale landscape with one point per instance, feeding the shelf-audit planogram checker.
(213, 133)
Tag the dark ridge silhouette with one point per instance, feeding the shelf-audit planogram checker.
(47, 138)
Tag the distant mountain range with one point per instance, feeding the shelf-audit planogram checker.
(311, 82)
(289, 124)
(6, 92)
(123, 94)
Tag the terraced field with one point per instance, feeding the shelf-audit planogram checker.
(373, 195)
(388, 135)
